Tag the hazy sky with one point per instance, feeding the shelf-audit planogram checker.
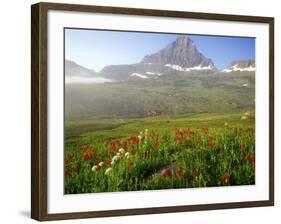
(95, 49)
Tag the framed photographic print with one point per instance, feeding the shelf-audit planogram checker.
(139, 111)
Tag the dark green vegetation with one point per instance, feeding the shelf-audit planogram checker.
(167, 95)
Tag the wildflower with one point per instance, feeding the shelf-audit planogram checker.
(133, 140)
(139, 137)
(108, 162)
(156, 144)
(244, 118)
(166, 172)
(225, 124)
(147, 154)
(225, 179)
(95, 168)
(248, 158)
(118, 154)
(145, 134)
(247, 113)
(114, 159)
(121, 150)
(107, 171)
(101, 164)
(89, 156)
(127, 154)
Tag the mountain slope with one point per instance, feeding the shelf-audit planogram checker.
(241, 66)
(72, 69)
(182, 52)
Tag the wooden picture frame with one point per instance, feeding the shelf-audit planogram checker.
(39, 110)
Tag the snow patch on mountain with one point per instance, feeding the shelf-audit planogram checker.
(198, 68)
(153, 73)
(236, 68)
(138, 75)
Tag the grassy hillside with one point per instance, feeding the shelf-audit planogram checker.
(168, 95)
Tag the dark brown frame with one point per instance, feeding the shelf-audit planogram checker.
(39, 110)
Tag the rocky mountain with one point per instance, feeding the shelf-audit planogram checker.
(72, 69)
(241, 66)
(179, 56)
(182, 54)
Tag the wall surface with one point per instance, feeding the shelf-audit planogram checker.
(15, 111)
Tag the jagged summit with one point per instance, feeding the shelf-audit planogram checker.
(182, 53)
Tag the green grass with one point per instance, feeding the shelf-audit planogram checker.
(184, 94)
(174, 152)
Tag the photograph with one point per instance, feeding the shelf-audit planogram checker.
(153, 111)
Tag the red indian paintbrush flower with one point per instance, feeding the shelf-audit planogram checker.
(89, 156)
(156, 144)
(225, 179)
(166, 172)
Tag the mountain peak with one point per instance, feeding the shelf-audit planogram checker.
(183, 41)
(181, 52)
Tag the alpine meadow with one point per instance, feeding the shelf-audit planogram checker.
(151, 111)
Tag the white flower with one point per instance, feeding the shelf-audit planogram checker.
(122, 150)
(107, 171)
(247, 113)
(118, 154)
(114, 159)
(141, 133)
(139, 137)
(94, 168)
(244, 117)
(101, 164)
(127, 154)
(225, 124)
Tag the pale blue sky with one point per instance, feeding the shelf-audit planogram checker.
(95, 49)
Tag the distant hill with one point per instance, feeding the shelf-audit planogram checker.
(241, 66)
(72, 69)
